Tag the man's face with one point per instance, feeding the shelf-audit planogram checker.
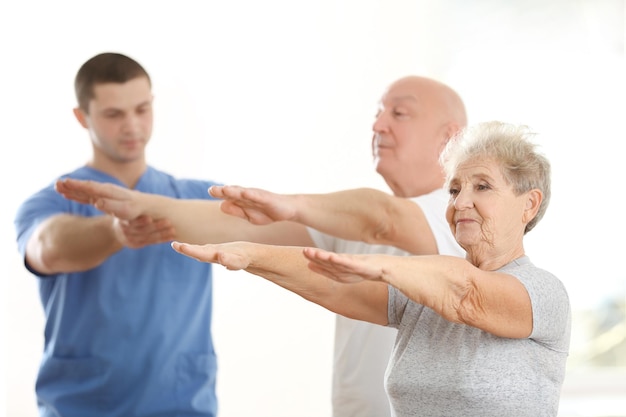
(120, 120)
(408, 136)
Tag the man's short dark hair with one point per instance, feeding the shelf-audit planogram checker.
(107, 67)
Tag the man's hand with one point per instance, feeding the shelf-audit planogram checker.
(131, 227)
(109, 198)
(143, 231)
(257, 206)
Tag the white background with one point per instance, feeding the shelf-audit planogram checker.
(282, 95)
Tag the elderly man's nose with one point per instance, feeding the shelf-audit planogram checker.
(380, 124)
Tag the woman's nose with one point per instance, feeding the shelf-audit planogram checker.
(463, 200)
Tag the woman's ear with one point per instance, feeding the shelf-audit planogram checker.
(533, 201)
(81, 117)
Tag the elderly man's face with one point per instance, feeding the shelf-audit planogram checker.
(408, 137)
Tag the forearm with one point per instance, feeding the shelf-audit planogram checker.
(194, 221)
(287, 267)
(368, 215)
(66, 243)
(358, 214)
(202, 221)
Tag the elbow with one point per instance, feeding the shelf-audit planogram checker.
(45, 261)
(470, 303)
(500, 320)
(50, 261)
(471, 308)
(382, 231)
(379, 234)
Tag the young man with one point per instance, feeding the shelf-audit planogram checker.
(416, 118)
(128, 322)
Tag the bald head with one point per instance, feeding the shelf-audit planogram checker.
(445, 103)
(416, 118)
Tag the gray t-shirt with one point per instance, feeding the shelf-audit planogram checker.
(440, 368)
(362, 350)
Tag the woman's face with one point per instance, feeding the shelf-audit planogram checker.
(484, 214)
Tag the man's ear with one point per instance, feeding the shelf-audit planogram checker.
(81, 117)
(533, 201)
(450, 130)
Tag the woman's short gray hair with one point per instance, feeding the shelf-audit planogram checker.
(510, 145)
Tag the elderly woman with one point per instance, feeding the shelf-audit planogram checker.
(483, 336)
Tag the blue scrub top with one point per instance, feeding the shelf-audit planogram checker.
(131, 337)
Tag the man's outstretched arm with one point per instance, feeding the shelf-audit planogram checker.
(361, 214)
(195, 221)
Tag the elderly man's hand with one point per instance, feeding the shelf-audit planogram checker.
(257, 206)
